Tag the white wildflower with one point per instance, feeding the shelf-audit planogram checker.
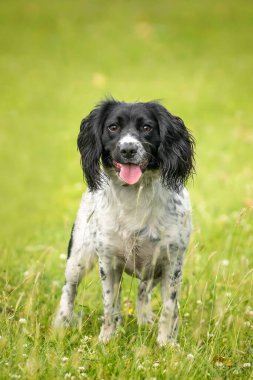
(65, 359)
(86, 339)
(63, 256)
(22, 321)
(225, 263)
(219, 364)
(246, 365)
(190, 356)
(156, 364)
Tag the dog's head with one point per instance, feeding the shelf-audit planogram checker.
(132, 138)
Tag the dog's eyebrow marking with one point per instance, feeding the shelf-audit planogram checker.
(128, 139)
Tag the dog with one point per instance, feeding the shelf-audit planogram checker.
(136, 214)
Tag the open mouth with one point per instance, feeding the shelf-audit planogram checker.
(130, 173)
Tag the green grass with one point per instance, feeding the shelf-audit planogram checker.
(58, 58)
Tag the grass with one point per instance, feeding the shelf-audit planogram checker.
(57, 60)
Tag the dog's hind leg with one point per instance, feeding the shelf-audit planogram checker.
(144, 309)
(80, 260)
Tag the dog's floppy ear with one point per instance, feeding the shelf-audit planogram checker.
(90, 145)
(176, 151)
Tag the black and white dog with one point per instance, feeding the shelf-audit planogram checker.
(136, 215)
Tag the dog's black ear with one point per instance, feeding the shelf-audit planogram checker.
(176, 151)
(90, 145)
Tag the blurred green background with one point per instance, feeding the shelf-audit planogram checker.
(57, 60)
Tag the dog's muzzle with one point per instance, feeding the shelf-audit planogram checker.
(130, 161)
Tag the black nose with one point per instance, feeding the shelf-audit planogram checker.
(128, 150)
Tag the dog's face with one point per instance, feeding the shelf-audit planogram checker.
(130, 141)
(132, 138)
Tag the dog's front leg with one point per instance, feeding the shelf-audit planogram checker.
(74, 272)
(107, 274)
(170, 286)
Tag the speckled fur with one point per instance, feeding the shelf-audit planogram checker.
(142, 229)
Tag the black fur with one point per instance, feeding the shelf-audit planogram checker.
(169, 146)
(176, 151)
(90, 145)
(70, 242)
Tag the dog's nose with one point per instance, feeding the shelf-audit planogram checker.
(128, 150)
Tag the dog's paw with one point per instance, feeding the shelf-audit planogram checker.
(162, 340)
(106, 333)
(166, 340)
(62, 320)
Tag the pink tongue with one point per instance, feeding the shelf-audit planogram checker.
(130, 173)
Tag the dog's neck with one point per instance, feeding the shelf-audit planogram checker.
(143, 195)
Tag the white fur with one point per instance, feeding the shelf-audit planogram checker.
(142, 229)
(128, 139)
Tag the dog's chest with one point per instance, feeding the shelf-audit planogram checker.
(135, 228)
(140, 256)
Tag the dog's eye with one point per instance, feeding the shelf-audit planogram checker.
(113, 128)
(147, 128)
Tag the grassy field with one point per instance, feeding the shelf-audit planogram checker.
(58, 58)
